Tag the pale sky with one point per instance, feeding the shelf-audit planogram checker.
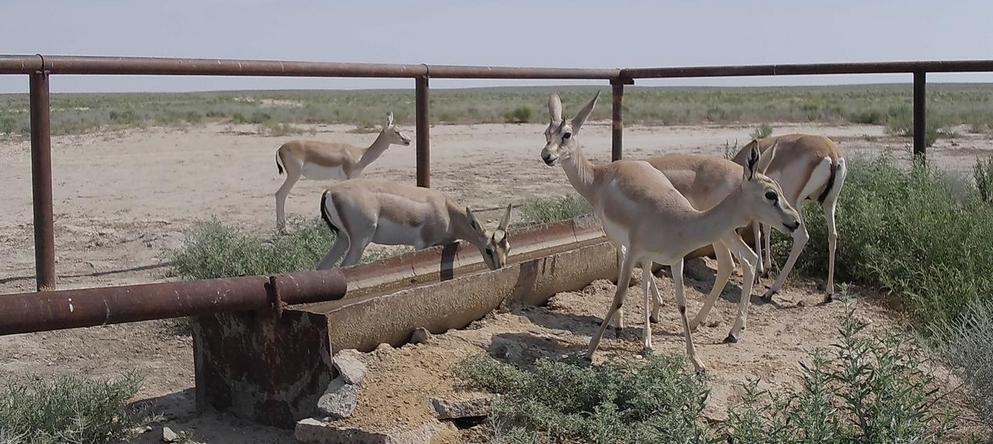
(578, 33)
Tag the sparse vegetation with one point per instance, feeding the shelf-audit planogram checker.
(68, 409)
(569, 401)
(761, 132)
(917, 234)
(865, 390)
(968, 345)
(948, 104)
(554, 209)
(521, 114)
(214, 250)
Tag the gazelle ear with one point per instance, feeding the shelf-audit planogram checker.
(555, 108)
(766, 158)
(389, 119)
(583, 113)
(751, 167)
(472, 220)
(505, 222)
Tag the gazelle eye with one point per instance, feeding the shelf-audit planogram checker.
(771, 195)
(566, 136)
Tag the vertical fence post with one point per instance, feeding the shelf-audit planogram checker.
(41, 182)
(423, 136)
(617, 119)
(920, 117)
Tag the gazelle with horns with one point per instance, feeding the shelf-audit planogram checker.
(322, 160)
(807, 167)
(651, 221)
(362, 211)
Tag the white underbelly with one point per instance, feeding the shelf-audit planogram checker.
(390, 233)
(614, 231)
(320, 172)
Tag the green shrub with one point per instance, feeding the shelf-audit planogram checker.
(521, 114)
(982, 172)
(68, 409)
(868, 117)
(214, 250)
(761, 132)
(554, 209)
(906, 232)
(967, 344)
(868, 390)
(270, 129)
(7, 125)
(571, 401)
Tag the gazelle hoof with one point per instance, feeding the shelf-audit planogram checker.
(647, 351)
(767, 297)
(653, 319)
(731, 339)
(828, 298)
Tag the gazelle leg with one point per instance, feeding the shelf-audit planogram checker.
(281, 193)
(829, 210)
(677, 285)
(619, 317)
(338, 249)
(656, 298)
(647, 280)
(749, 261)
(757, 240)
(623, 279)
(800, 238)
(355, 249)
(766, 249)
(725, 265)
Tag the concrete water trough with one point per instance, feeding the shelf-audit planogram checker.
(271, 367)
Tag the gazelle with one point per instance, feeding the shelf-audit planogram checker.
(651, 221)
(807, 167)
(323, 160)
(361, 211)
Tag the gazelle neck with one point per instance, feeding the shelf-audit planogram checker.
(579, 170)
(703, 227)
(375, 150)
(462, 229)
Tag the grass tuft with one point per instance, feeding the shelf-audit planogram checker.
(554, 209)
(69, 409)
(569, 401)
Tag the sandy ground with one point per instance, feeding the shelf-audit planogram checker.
(123, 200)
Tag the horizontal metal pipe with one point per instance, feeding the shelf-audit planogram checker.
(811, 69)
(26, 64)
(55, 310)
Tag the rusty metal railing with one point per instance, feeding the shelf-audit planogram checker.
(40, 67)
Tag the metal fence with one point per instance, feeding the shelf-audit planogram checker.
(40, 67)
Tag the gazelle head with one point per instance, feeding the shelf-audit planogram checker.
(560, 136)
(392, 134)
(493, 245)
(763, 196)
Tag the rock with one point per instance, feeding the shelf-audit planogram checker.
(339, 400)
(506, 349)
(473, 407)
(350, 367)
(420, 335)
(168, 435)
(318, 432)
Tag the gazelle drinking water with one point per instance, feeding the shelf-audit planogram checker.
(362, 211)
(651, 221)
(323, 160)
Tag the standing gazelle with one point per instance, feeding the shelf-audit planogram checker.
(651, 221)
(323, 160)
(362, 211)
(807, 167)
